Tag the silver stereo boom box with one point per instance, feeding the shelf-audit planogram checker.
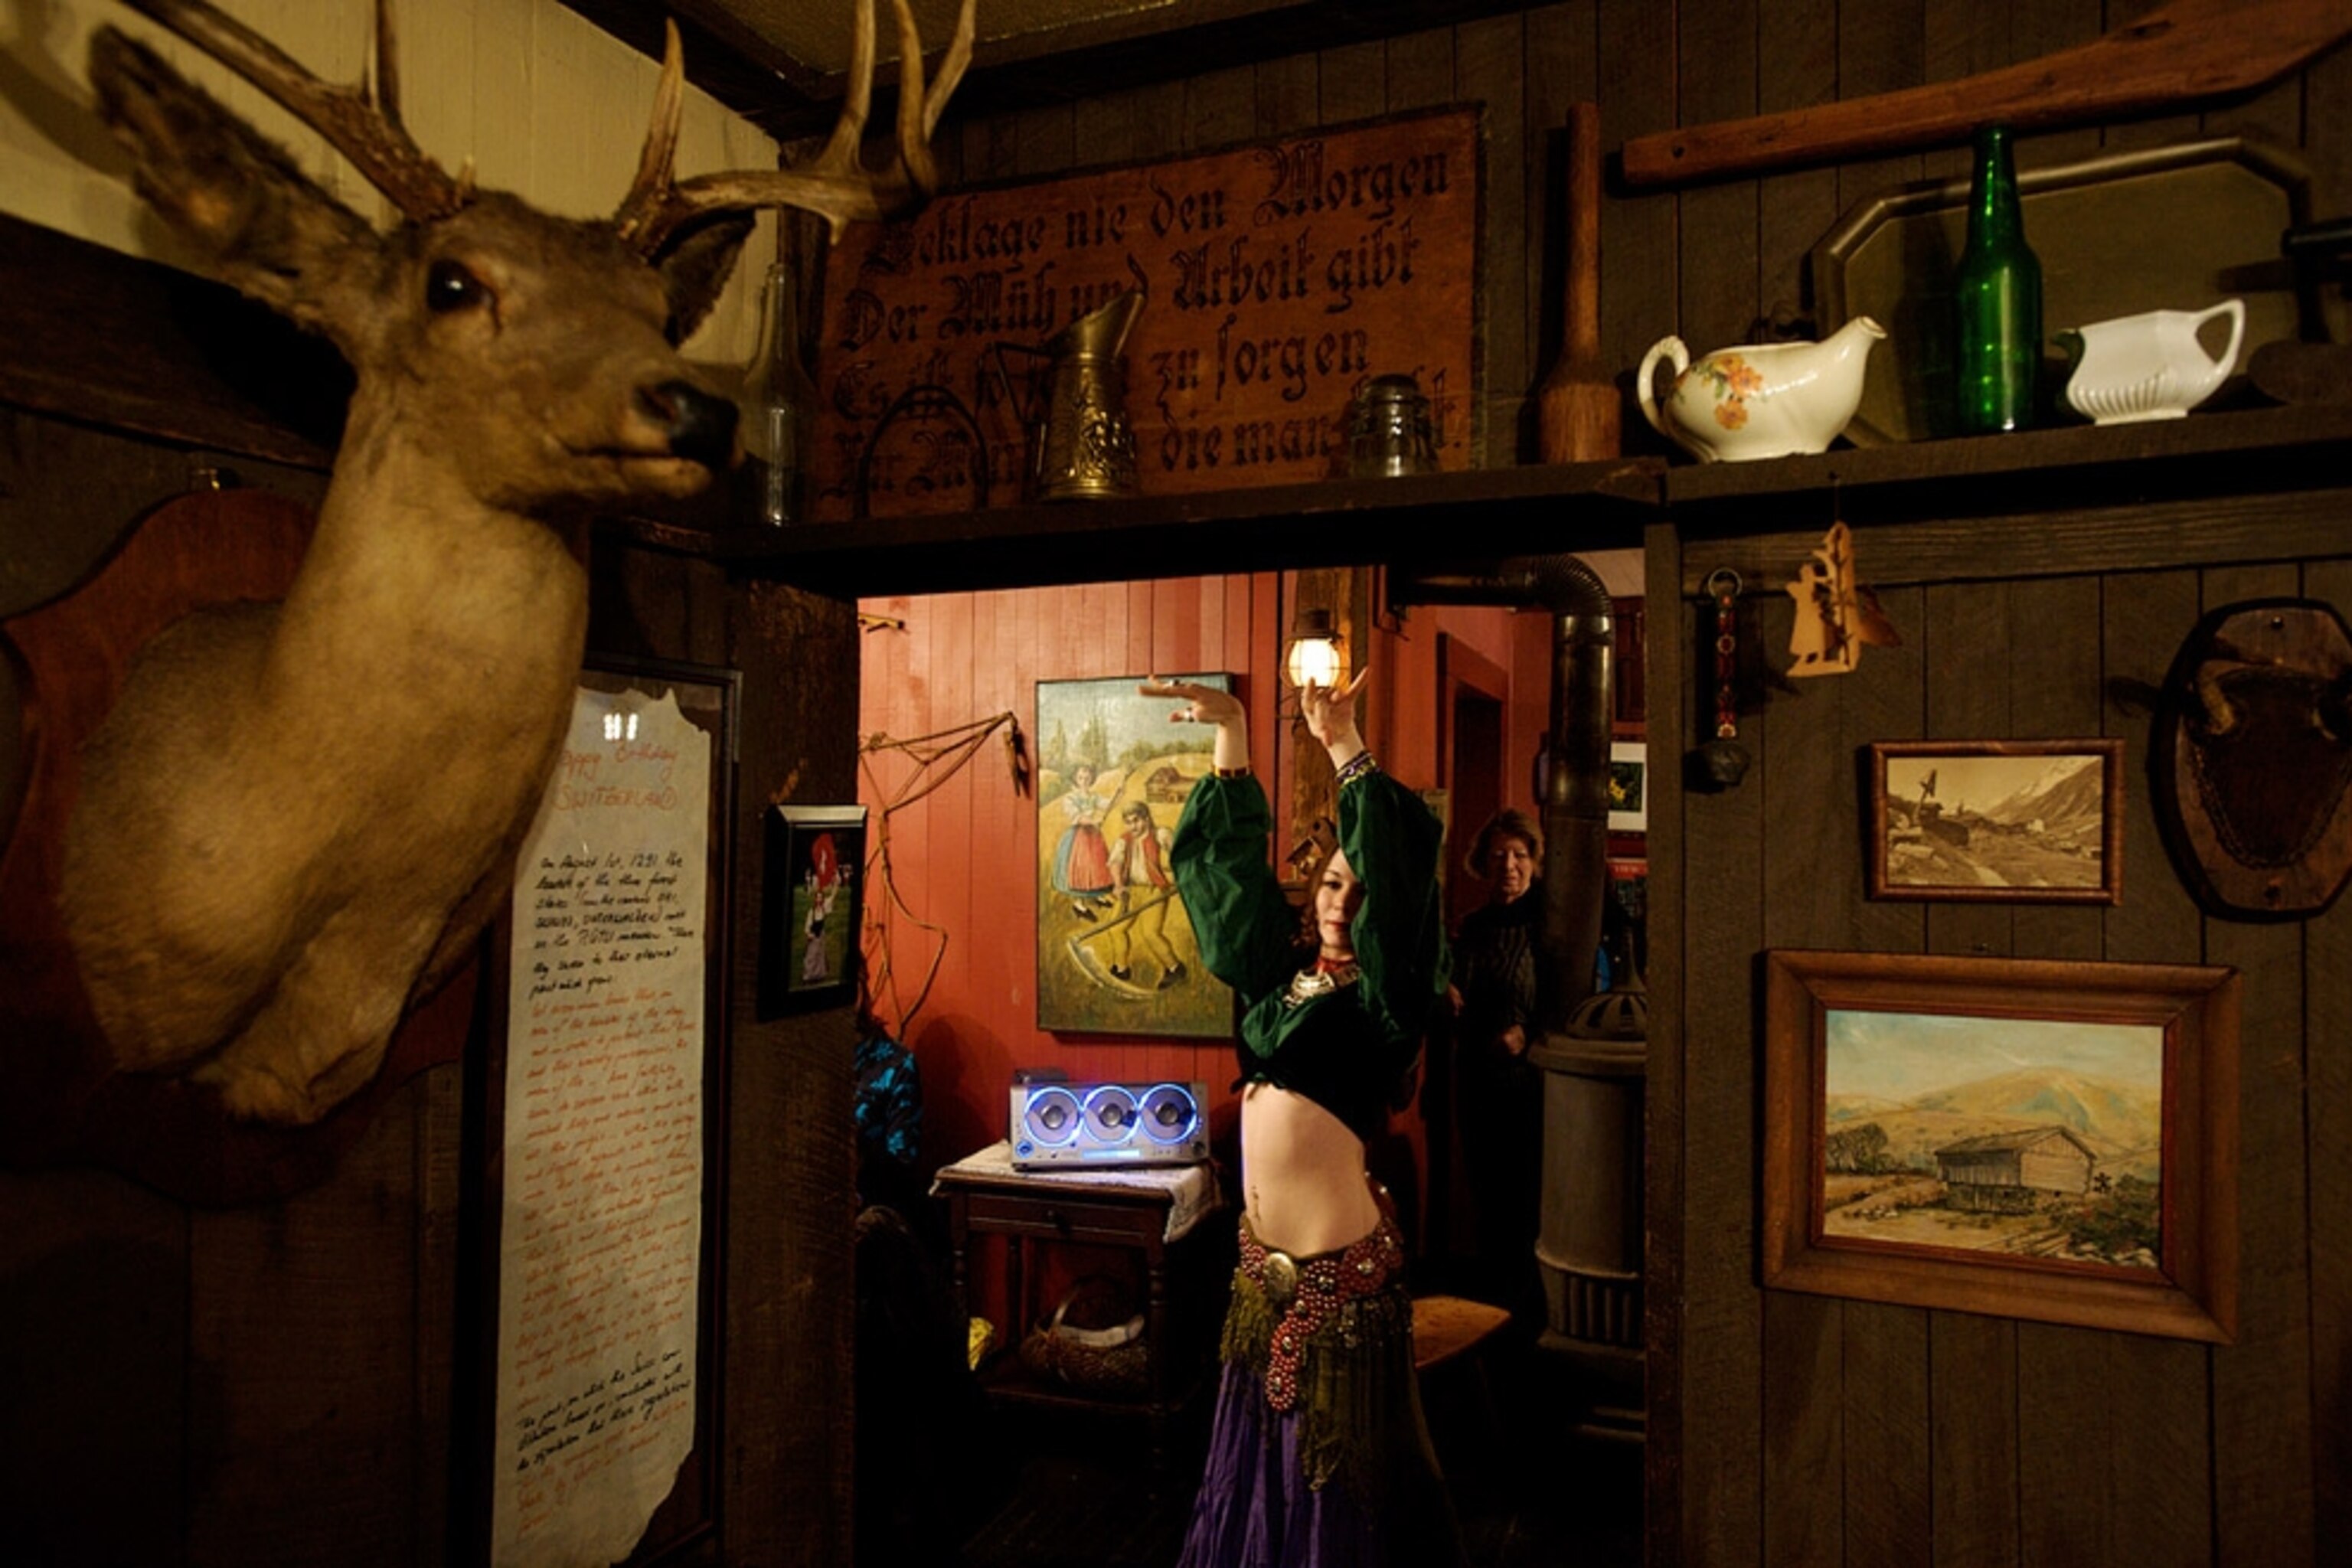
(1062, 1124)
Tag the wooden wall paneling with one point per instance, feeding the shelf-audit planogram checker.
(2066, 1380)
(1721, 1342)
(94, 1282)
(2067, 1427)
(1105, 126)
(1287, 94)
(1045, 139)
(1002, 926)
(1963, 634)
(1796, 68)
(1641, 259)
(2157, 131)
(2325, 150)
(2145, 617)
(301, 1353)
(2327, 1072)
(1160, 120)
(1666, 1156)
(2274, 115)
(786, 1475)
(2056, 661)
(1420, 70)
(1558, 67)
(1802, 1449)
(1958, 38)
(2038, 28)
(1972, 1378)
(1489, 65)
(1880, 48)
(1888, 1489)
(1814, 876)
(1219, 108)
(2064, 1406)
(2263, 1463)
(1353, 82)
(1889, 1434)
(2055, 692)
(1813, 897)
(991, 149)
(1716, 45)
(964, 871)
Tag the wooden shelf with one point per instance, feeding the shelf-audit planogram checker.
(2073, 475)
(1489, 512)
(2065, 468)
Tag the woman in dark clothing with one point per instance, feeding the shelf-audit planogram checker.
(1499, 1093)
(1320, 1455)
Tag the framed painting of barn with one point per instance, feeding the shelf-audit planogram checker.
(1115, 952)
(2054, 1140)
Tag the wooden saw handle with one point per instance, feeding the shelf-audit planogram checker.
(2191, 49)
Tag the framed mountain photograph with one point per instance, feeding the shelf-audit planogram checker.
(2028, 1138)
(1997, 821)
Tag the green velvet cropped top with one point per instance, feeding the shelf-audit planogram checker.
(1348, 1047)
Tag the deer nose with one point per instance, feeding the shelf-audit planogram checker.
(701, 426)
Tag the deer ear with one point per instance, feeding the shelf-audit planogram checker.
(696, 265)
(262, 226)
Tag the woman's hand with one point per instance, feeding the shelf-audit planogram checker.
(1207, 705)
(1203, 704)
(1330, 715)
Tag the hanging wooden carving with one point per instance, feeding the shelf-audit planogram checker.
(2253, 756)
(1835, 613)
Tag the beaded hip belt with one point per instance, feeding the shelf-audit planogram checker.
(1305, 1293)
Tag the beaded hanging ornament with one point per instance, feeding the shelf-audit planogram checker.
(1723, 758)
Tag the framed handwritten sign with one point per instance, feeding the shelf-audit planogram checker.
(1276, 278)
(603, 1117)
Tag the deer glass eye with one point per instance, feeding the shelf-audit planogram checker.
(450, 285)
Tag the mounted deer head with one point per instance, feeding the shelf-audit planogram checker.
(299, 818)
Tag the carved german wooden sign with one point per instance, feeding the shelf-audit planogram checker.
(1276, 279)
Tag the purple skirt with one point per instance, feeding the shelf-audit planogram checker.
(1256, 1510)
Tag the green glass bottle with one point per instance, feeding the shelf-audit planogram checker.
(1997, 300)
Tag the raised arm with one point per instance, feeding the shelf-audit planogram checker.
(1246, 929)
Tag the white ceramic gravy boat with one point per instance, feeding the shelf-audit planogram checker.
(1758, 400)
(2149, 366)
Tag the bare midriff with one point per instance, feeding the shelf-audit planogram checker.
(1302, 1173)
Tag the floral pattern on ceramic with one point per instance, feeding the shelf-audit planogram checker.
(1733, 378)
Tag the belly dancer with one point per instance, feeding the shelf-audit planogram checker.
(1318, 1453)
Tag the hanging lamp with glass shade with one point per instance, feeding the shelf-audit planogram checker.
(1316, 652)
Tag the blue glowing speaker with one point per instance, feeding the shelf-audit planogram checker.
(1062, 1124)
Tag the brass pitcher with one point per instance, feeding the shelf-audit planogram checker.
(1083, 448)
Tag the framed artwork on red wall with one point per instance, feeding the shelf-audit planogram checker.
(1116, 954)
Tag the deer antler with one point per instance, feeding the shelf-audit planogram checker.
(834, 184)
(364, 126)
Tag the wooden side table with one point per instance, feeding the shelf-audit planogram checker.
(1152, 1212)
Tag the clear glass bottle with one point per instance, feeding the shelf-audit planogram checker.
(778, 400)
(1388, 430)
(1997, 300)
